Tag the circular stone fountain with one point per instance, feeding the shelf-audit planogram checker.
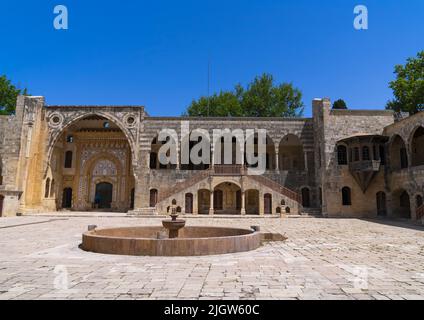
(179, 241)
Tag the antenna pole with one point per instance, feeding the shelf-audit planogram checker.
(209, 83)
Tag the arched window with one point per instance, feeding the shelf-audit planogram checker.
(52, 186)
(403, 158)
(47, 188)
(366, 153)
(342, 155)
(153, 198)
(346, 196)
(306, 198)
(68, 159)
(381, 204)
(268, 203)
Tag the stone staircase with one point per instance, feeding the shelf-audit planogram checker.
(277, 188)
(181, 186)
(311, 212)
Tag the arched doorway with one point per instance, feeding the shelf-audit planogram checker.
(1, 205)
(381, 204)
(252, 202)
(417, 147)
(104, 195)
(188, 203)
(306, 198)
(153, 198)
(227, 198)
(398, 154)
(268, 203)
(401, 204)
(87, 151)
(67, 198)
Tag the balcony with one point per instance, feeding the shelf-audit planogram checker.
(364, 172)
(365, 166)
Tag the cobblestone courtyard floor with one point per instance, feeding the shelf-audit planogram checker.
(322, 259)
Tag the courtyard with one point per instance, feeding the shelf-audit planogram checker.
(322, 259)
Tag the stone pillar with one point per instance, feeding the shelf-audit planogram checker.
(195, 204)
(277, 165)
(243, 203)
(211, 209)
(261, 204)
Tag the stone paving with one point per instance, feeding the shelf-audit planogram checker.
(322, 259)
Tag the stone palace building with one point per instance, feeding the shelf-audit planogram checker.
(339, 163)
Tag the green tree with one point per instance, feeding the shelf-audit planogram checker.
(340, 105)
(8, 95)
(408, 88)
(261, 98)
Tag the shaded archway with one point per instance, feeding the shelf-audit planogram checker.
(401, 204)
(252, 202)
(153, 198)
(268, 203)
(104, 195)
(417, 147)
(306, 197)
(89, 151)
(188, 203)
(398, 154)
(291, 154)
(67, 198)
(381, 204)
(203, 201)
(227, 198)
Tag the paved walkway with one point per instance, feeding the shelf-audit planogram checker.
(322, 259)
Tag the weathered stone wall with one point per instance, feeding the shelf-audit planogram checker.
(332, 126)
(410, 179)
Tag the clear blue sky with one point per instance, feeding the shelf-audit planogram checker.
(155, 53)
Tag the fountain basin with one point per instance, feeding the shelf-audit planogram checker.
(192, 241)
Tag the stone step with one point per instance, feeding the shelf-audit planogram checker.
(143, 212)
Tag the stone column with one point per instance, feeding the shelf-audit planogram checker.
(243, 203)
(261, 203)
(277, 165)
(211, 209)
(195, 204)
